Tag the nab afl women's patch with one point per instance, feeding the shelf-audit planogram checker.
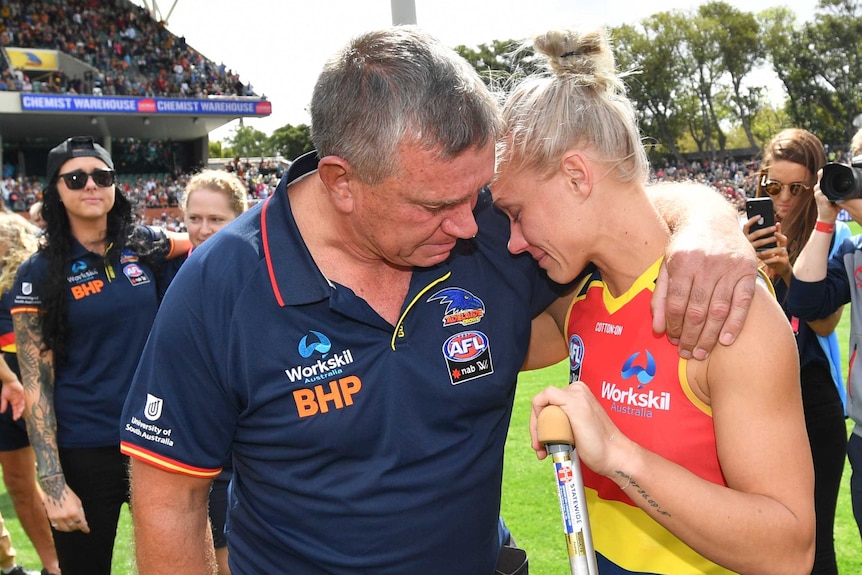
(136, 275)
(468, 356)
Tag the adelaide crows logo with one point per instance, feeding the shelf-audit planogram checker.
(462, 307)
(645, 374)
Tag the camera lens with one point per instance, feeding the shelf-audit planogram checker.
(843, 183)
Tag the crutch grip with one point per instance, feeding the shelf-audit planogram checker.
(555, 431)
(554, 426)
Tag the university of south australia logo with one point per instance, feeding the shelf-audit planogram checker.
(153, 408)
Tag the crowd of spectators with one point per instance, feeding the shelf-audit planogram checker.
(151, 191)
(735, 178)
(134, 55)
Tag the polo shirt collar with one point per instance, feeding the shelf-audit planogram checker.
(294, 276)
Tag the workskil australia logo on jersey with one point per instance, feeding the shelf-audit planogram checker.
(462, 307)
(631, 400)
(326, 366)
(468, 356)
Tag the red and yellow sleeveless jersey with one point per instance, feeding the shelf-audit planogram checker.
(639, 378)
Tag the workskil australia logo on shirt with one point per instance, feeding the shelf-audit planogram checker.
(632, 399)
(331, 389)
(80, 273)
(325, 367)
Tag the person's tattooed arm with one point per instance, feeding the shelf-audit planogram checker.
(37, 376)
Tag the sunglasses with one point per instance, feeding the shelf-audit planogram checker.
(774, 187)
(78, 179)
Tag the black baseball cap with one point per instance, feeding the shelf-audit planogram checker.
(75, 147)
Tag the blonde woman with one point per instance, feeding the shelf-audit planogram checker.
(680, 456)
(212, 199)
(17, 243)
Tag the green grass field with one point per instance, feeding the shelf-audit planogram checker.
(530, 504)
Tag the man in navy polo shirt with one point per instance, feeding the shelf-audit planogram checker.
(353, 343)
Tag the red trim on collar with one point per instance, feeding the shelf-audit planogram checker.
(267, 255)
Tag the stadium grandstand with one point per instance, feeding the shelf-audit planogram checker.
(112, 70)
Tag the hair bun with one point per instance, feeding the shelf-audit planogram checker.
(584, 56)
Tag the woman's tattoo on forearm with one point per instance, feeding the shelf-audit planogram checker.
(630, 482)
(54, 486)
(37, 375)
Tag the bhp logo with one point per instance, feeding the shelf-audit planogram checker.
(321, 398)
(87, 289)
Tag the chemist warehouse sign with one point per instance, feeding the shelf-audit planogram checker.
(121, 105)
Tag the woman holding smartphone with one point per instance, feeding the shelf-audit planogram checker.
(788, 175)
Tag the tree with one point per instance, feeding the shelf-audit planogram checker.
(784, 46)
(740, 49)
(215, 150)
(701, 35)
(836, 38)
(819, 65)
(247, 141)
(500, 61)
(291, 141)
(651, 53)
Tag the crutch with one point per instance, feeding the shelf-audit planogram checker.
(555, 432)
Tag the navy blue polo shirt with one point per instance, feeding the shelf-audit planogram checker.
(111, 304)
(7, 330)
(358, 446)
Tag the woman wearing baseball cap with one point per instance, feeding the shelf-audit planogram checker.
(82, 308)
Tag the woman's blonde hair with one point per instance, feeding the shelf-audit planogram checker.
(580, 101)
(225, 182)
(18, 241)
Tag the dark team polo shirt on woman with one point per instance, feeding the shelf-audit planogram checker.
(110, 309)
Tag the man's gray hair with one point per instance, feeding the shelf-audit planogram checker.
(394, 86)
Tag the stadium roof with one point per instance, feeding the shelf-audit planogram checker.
(36, 120)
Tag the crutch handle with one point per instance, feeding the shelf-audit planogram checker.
(554, 426)
(555, 432)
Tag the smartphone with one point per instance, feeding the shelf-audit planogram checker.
(761, 207)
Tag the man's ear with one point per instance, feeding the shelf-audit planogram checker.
(577, 169)
(336, 175)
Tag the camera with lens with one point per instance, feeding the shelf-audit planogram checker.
(842, 182)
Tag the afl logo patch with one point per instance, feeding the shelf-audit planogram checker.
(136, 274)
(468, 356)
(576, 357)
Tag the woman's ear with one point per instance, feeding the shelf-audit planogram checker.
(335, 173)
(577, 170)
